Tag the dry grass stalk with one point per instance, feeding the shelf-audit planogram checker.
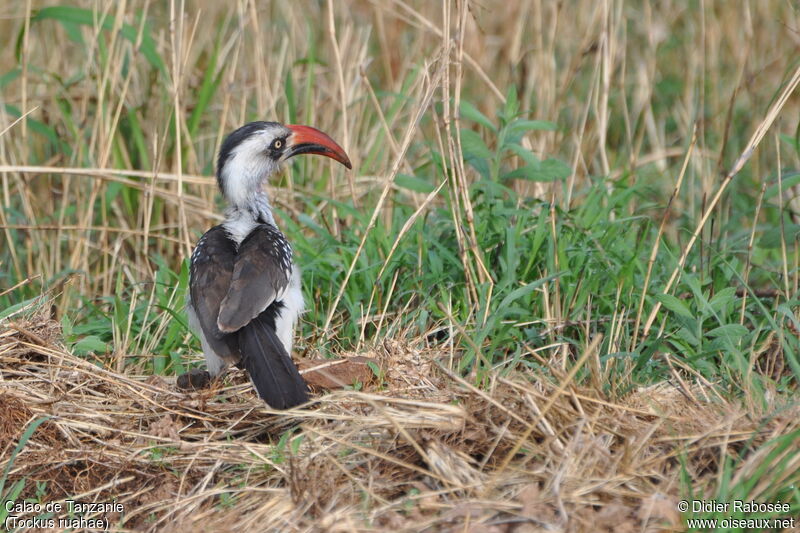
(421, 457)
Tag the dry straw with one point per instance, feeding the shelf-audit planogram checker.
(433, 455)
(423, 448)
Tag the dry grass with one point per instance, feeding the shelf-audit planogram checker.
(441, 455)
(636, 89)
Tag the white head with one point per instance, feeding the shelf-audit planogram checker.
(252, 153)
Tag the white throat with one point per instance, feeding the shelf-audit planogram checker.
(241, 219)
(244, 175)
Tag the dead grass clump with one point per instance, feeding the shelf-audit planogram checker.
(13, 420)
(524, 454)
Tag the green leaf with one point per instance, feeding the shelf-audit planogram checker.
(787, 311)
(519, 292)
(773, 237)
(12, 496)
(40, 128)
(10, 310)
(675, 305)
(207, 89)
(91, 343)
(296, 443)
(10, 76)
(291, 97)
(793, 142)
(73, 31)
(413, 183)
(528, 172)
(548, 170)
(555, 168)
(310, 223)
(731, 331)
(137, 140)
(512, 104)
(687, 337)
(525, 154)
(23, 440)
(520, 125)
(472, 145)
(470, 112)
(722, 299)
(788, 180)
(376, 370)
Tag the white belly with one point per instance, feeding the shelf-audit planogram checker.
(293, 306)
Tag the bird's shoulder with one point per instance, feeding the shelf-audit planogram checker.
(214, 246)
(269, 242)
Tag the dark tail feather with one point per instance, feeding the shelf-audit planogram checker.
(271, 369)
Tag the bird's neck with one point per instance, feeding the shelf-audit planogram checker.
(242, 217)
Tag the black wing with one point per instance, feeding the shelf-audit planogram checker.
(261, 273)
(212, 266)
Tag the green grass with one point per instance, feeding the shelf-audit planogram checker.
(13, 493)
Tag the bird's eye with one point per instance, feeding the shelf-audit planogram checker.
(276, 144)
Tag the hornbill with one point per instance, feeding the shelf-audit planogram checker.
(244, 289)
